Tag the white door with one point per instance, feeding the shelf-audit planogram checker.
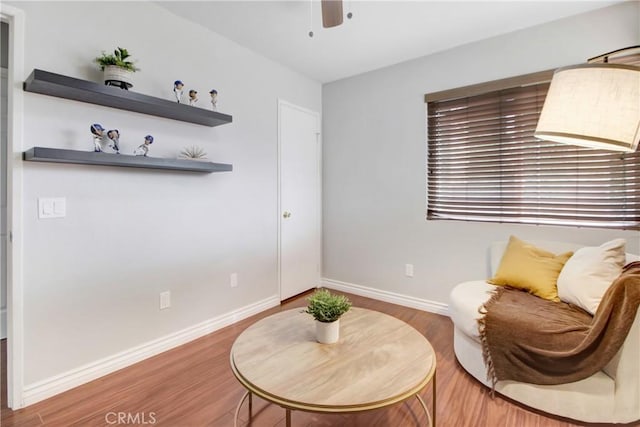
(299, 199)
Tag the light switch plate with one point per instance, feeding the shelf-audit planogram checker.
(408, 270)
(165, 300)
(52, 207)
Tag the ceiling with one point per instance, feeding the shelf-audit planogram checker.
(381, 33)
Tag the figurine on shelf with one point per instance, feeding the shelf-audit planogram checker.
(193, 97)
(98, 134)
(143, 149)
(214, 99)
(177, 90)
(114, 137)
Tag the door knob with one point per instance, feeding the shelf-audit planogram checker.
(286, 214)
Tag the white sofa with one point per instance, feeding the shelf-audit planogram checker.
(611, 395)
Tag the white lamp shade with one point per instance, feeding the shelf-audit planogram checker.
(593, 105)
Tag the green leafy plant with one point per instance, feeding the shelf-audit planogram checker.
(118, 58)
(327, 307)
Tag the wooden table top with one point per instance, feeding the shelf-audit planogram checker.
(379, 360)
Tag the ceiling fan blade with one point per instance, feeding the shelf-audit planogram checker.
(331, 13)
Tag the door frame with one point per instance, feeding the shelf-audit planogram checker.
(283, 103)
(4, 74)
(15, 132)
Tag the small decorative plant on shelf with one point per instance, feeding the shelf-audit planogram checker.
(117, 67)
(327, 308)
(193, 153)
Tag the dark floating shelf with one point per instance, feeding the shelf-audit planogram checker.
(57, 155)
(61, 86)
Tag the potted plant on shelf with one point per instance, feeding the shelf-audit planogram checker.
(326, 308)
(117, 67)
(193, 153)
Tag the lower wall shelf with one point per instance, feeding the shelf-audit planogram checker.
(57, 155)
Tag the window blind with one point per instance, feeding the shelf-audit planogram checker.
(484, 164)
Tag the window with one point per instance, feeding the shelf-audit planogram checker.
(484, 164)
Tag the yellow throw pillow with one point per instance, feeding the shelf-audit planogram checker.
(529, 268)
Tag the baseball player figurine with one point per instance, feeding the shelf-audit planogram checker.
(214, 99)
(143, 149)
(177, 90)
(98, 134)
(114, 137)
(193, 97)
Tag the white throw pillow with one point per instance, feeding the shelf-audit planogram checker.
(589, 272)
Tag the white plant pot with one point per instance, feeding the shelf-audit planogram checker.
(328, 333)
(117, 76)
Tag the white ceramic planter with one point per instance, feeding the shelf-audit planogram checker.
(328, 333)
(114, 75)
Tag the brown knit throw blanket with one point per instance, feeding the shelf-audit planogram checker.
(529, 339)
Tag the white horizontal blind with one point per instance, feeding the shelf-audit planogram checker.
(484, 164)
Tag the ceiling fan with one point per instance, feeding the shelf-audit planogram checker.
(332, 14)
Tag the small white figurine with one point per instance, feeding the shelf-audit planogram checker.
(114, 137)
(177, 90)
(143, 149)
(214, 99)
(193, 97)
(98, 134)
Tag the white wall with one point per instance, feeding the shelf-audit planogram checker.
(375, 150)
(92, 280)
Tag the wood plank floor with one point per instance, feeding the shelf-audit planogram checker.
(192, 385)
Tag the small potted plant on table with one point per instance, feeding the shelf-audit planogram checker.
(326, 308)
(117, 68)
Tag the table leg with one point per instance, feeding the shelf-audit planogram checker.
(426, 410)
(433, 403)
(235, 418)
(288, 416)
(250, 405)
(431, 419)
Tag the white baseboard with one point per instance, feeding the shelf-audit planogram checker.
(41, 390)
(392, 297)
(3, 323)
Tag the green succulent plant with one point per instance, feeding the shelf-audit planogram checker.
(194, 152)
(118, 58)
(327, 307)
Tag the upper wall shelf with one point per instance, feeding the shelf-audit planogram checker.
(61, 86)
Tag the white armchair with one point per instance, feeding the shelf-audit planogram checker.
(609, 396)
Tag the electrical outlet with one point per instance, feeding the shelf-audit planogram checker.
(52, 207)
(408, 270)
(165, 300)
(233, 280)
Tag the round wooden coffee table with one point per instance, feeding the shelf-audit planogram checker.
(378, 361)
